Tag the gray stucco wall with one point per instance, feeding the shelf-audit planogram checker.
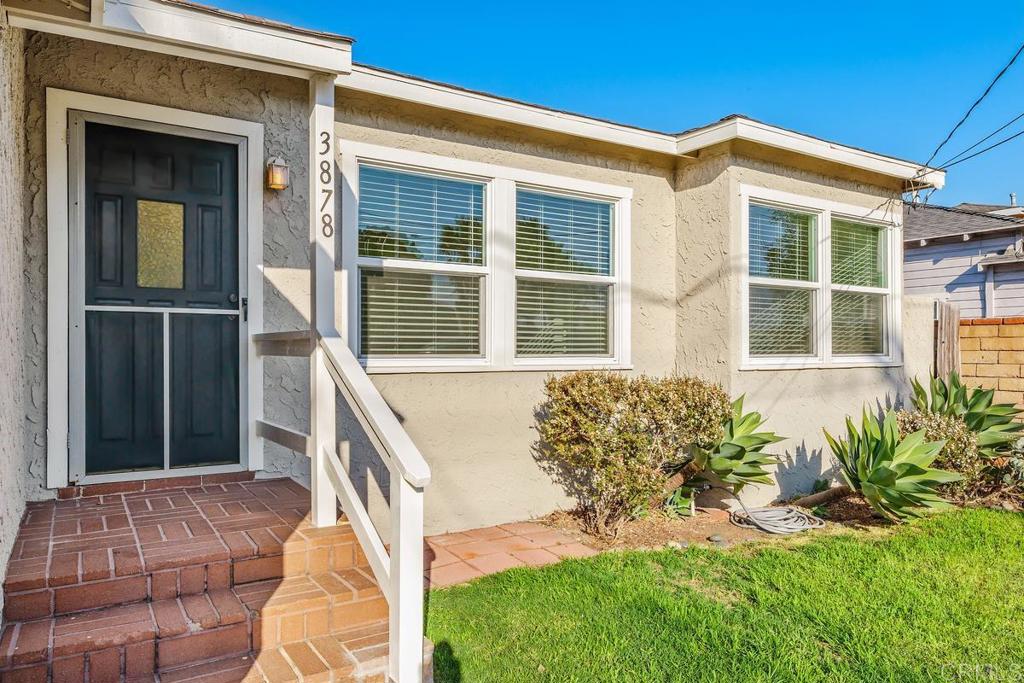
(798, 403)
(13, 461)
(278, 102)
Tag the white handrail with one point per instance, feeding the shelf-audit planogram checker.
(399, 572)
(376, 415)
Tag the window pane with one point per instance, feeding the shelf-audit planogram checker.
(561, 319)
(563, 234)
(419, 314)
(858, 254)
(160, 244)
(425, 218)
(781, 243)
(858, 324)
(781, 322)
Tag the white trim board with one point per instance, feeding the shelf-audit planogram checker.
(368, 79)
(60, 213)
(185, 32)
(498, 306)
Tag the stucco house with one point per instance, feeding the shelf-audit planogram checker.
(235, 261)
(971, 255)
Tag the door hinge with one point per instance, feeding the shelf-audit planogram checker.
(245, 309)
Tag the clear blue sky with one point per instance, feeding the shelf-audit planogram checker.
(885, 76)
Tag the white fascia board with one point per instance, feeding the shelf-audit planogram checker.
(177, 31)
(387, 84)
(225, 34)
(1012, 212)
(754, 131)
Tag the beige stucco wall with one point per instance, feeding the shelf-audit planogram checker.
(13, 462)
(798, 403)
(278, 102)
(477, 430)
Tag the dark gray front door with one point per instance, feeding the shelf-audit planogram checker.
(162, 301)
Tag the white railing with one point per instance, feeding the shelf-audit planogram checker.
(399, 567)
(334, 369)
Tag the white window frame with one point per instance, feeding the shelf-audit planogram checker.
(888, 218)
(498, 272)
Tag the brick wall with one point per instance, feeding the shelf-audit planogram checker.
(992, 356)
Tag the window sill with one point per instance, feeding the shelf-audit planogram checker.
(813, 364)
(456, 367)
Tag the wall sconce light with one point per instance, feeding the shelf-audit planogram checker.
(277, 174)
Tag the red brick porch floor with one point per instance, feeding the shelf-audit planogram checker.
(462, 556)
(209, 581)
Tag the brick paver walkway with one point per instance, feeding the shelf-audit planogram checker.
(462, 556)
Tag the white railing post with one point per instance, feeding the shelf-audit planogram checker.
(405, 608)
(321, 265)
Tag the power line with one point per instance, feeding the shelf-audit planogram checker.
(991, 135)
(976, 103)
(982, 151)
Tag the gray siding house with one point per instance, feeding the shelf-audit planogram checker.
(969, 254)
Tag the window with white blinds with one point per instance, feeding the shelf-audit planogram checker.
(564, 234)
(562, 319)
(462, 265)
(859, 291)
(819, 290)
(420, 217)
(419, 314)
(429, 310)
(782, 243)
(571, 237)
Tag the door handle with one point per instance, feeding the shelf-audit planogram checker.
(245, 309)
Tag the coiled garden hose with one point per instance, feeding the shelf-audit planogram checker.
(772, 520)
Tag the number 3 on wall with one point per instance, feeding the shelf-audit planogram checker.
(327, 183)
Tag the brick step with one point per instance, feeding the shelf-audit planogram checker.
(138, 639)
(354, 656)
(176, 543)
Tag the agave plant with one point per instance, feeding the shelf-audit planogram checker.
(894, 475)
(738, 458)
(993, 423)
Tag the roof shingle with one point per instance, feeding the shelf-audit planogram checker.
(927, 221)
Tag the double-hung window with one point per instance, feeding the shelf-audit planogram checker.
(818, 283)
(456, 265)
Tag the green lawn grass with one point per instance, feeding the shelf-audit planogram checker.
(938, 600)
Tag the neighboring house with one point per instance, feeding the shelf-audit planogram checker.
(971, 255)
(1013, 209)
(172, 299)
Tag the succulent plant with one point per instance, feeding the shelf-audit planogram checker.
(994, 423)
(893, 474)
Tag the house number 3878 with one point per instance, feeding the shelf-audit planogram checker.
(327, 183)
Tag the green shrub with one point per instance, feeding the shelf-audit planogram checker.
(960, 453)
(893, 474)
(994, 423)
(614, 437)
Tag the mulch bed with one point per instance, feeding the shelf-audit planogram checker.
(657, 530)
